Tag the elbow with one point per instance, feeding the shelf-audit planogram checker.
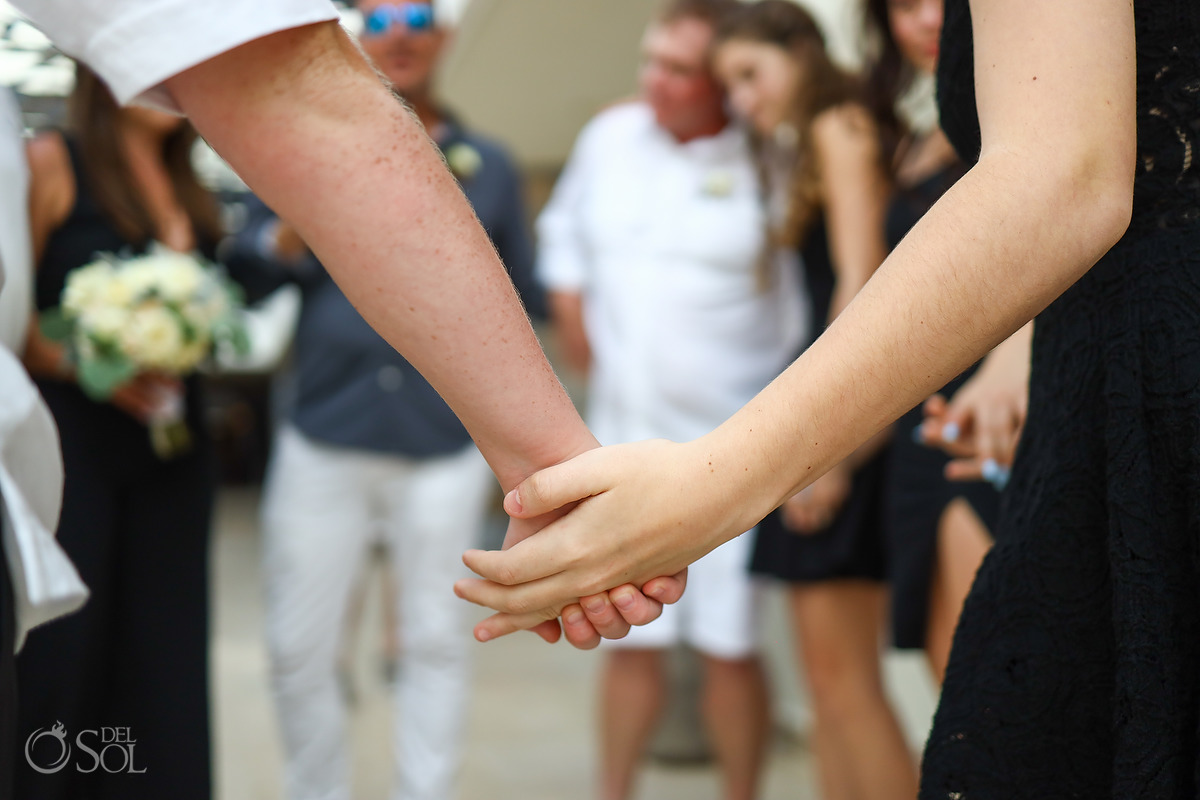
(1108, 209)
(1100, 180)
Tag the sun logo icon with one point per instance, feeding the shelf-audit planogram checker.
(64, 748)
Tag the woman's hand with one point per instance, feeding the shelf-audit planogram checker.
(813, 509)
(645, 510)
(145, 394)
(607, 615)
(981, 425)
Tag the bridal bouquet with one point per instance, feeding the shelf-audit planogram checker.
(163, 312)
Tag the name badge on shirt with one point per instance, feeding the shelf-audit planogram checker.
(718, 183)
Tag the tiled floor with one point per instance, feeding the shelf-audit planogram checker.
(531, 731)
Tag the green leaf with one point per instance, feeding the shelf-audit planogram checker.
(190, 334)
(240, 339)
(55, 325)
(99, 377)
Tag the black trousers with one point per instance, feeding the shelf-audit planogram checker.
(133, 663)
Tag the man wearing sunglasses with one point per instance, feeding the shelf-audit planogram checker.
(370, 451)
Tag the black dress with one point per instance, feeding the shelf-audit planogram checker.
(917, 491)
(851, 547)
(136, 527)
(1075, 670)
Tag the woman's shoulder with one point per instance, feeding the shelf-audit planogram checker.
(848, 119)
(845, 132)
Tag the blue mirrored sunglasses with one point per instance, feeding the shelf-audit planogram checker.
(417, 17)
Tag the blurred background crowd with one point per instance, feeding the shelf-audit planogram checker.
(684, 194)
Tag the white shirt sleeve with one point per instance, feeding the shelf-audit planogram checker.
(45, 584)
(562, 258)
(16, 269)
(135, 45)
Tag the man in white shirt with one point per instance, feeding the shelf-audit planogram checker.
(37, 582)
(653, 249)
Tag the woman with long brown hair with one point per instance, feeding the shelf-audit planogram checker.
(135, 523)
(827, 193)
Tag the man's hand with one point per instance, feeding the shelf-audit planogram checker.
(607, 615)
(643, 510)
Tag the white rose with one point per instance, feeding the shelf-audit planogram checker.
(139, 278)
(190, 355)
(207, 307)
(104, 321)
(86, 287)
(179, 278)
(152, 339)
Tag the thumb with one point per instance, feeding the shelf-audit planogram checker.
(553, 488)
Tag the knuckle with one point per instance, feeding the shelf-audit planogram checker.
(521, 604)
(505, 574)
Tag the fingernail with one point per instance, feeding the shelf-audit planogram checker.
(623, 599)
(990, 469)
(513, 500)
(950, 432)
(483, 636)
(995, 474)
(657, 592)
(594, 604)
(574, 618)
(918, 434)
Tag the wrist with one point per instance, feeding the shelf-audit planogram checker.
(512, 471)
(742, 490)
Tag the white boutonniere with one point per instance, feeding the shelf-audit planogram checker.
(464, 160)
(718, 183)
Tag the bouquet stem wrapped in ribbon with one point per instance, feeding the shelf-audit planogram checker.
(164, 312)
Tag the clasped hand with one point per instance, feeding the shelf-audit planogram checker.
(637, 513)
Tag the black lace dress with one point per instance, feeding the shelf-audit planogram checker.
(1076, 667)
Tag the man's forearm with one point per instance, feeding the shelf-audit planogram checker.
(307, 123)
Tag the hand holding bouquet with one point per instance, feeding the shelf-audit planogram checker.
(162, 313)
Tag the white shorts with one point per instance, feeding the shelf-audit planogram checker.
(718, 614)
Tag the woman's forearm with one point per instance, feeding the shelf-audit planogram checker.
(987, 258)
(307, 123)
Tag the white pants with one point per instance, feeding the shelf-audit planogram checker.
(719, 613)
(323, 507)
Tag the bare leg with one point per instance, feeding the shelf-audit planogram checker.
(633, 694)
(861, 751)
(963, 541)
(735, 715)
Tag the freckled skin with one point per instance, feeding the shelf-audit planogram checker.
(434, 287)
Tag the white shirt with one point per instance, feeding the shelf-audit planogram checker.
(16, 299)
(44, 583)
(664, 240)
(135, 45)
